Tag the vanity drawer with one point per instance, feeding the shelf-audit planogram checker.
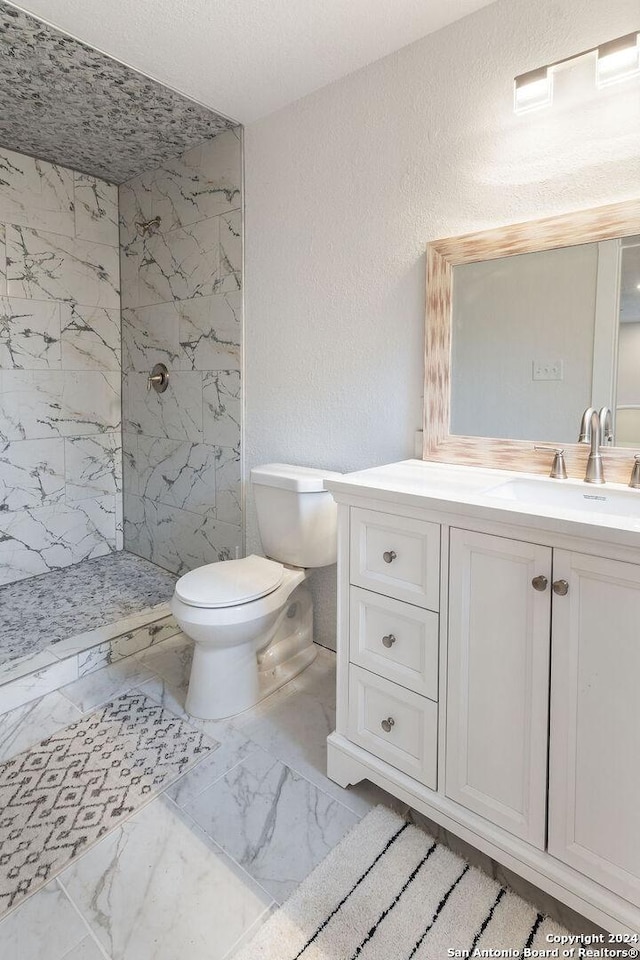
(409, 739)
(394, 639)
(397, 556)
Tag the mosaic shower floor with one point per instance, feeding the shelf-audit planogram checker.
(44, 610)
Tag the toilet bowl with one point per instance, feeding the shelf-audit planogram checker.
(251, 619)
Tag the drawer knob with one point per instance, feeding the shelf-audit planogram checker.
(387, 724)
(389, 640)
(561, 587)
(539, 583)
(389, 556)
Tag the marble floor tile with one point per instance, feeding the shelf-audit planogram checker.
(34, 685)
(171, 660)
(44, 927)
(87, 949)
(158, 888)
(234, 748)
(25, 726)
(102, 685)
(273, 822)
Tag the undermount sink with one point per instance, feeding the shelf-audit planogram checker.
(560, 494)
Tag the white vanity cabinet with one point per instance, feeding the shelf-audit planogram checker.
(489, 675)
(594, 764)
(498, 680)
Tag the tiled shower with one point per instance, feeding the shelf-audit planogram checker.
(80, 307)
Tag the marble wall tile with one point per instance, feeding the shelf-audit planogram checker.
(3, 261)
(96, 210)
(59, 363)
(172, 266)
(179, 474)
(35, 541)
(36, 194)
(90, 337)
(150, 335)
(210, 331)
(222, 407)
(58, 403)
(31, 473)
(176, 413)
(228, 485)
(202, 183)
(231, 243)
(93, 466)
(47, 266)
(140, 526)
(176, 539)
(29, 334)
(130, 471)
(125, 888)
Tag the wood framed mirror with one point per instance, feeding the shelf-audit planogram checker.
(478, 411)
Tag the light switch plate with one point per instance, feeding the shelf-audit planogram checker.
(546, 370)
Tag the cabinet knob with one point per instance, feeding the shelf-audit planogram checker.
(389, 640)
(389, 556)
(387, 724)
(561, 587)
(539, 583)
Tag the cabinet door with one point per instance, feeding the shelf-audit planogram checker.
(498, 681)
(594, 769)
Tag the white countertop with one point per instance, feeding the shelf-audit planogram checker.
(470, 491)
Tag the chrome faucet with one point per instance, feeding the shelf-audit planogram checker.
(591, 430)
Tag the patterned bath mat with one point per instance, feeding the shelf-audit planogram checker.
(388, 891)
(63, 795)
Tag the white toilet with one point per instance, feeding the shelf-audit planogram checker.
(252, 619)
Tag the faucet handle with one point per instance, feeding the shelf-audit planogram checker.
(635, 473)
(558, 467)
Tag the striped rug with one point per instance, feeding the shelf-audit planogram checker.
(389, 892)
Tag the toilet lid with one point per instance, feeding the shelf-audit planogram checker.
(230, 582)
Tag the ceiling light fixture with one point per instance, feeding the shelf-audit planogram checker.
(616, 60)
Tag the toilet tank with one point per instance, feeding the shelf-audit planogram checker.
(297, 517)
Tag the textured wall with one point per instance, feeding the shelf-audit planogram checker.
(60, 445)
(182, 306)
(345, 187)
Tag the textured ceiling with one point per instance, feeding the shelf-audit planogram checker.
(247, 58)
(66, 103)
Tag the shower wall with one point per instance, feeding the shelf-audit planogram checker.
(182, 306)
(60, 440)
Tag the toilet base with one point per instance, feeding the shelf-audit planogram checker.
(228, 681)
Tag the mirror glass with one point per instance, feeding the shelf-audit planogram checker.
(538, 337)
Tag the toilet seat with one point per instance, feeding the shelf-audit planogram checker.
(229, 583)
